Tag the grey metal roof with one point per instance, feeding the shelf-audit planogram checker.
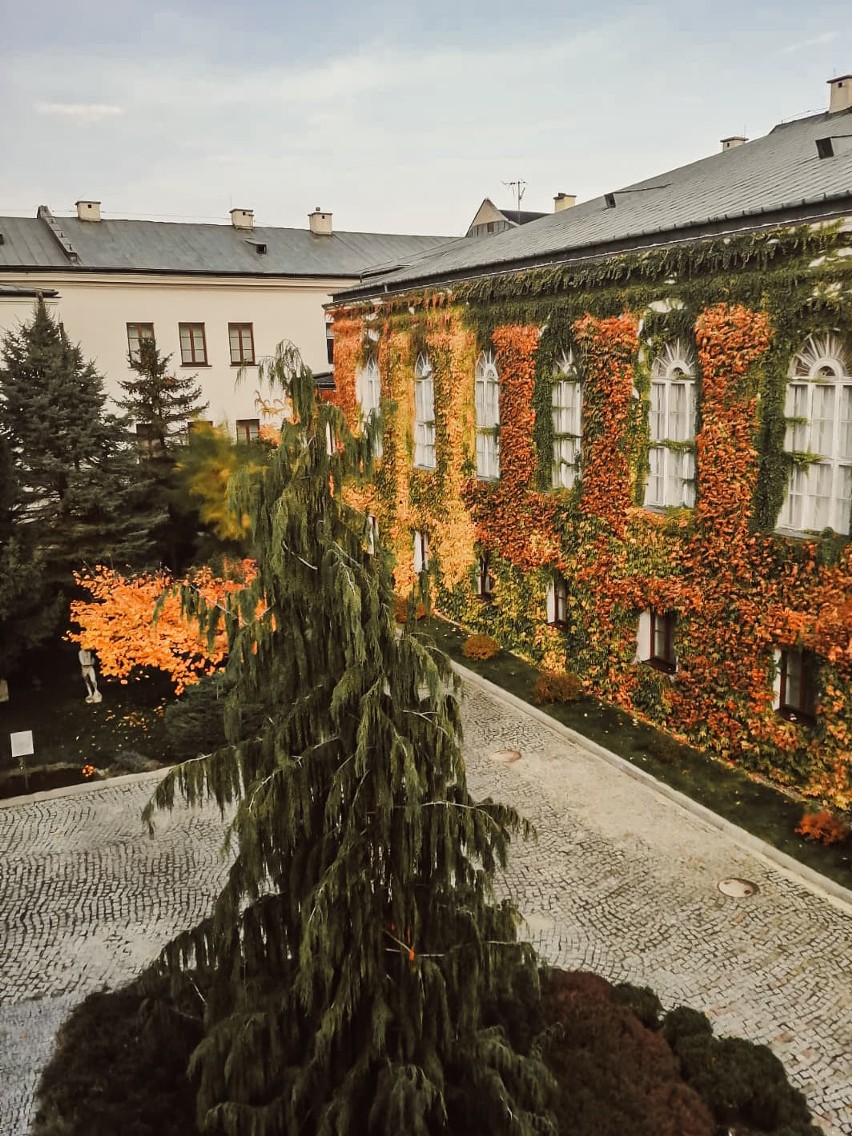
(769, 175)
(161, 246)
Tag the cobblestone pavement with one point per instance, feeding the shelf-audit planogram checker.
(620, 880)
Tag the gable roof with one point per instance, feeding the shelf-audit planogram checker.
(775, 178)
(200, 249)
(489, 212)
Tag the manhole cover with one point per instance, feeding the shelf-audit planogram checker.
(507, 756)
(738, 888)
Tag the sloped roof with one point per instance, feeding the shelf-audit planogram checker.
(169, 247)
(768, 176)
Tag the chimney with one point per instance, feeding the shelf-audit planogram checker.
(242, 218)
(841, 93)
(320, 223)
(732, 142)
(88, 210)
(564, 201)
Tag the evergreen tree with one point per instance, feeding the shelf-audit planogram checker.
(162, 403)
(76, 464)
(160, 399)
(27, 613)
(357, 941)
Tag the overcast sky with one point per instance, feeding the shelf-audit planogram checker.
(396, 116)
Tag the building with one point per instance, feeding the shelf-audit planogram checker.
(489, 220)
(619, 440)
(215, 297)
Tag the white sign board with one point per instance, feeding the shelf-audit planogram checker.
(22, 743)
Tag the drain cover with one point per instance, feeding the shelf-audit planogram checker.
(738, 888)
(507, 756)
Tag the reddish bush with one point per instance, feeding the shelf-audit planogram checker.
(480, 647)
(824, 827)
(401, 607)
(556, 686)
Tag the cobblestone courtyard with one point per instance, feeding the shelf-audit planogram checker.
(621, 880)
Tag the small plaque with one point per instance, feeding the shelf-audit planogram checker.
(22, 743)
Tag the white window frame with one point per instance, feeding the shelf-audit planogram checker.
(671, 473)
(567, 417)
(484, 579)
(192, 337)
(421, 552)
(557, 601)
(247, 429)
(368, 391)
(372, 534)
(487, 403)
(807, 674)
(424, 414)
(819, 491)
(136, 332)
(652, 623)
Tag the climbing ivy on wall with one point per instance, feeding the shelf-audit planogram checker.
(744, 306)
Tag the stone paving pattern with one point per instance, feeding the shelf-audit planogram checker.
(620, 880)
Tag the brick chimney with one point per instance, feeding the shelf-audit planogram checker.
(88, 210)
(841, 94)
(242, 218)
(320, 223)
(564, 201)
(732, 142)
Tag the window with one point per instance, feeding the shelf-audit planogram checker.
(368, 389)
(248, 429)
(329, 342)
(819, 431)
(557, 601)
(372, 534)
(567, 419)
(193, 345)
(424, 414)
(136, 332)
(656, 640)
(671, 478)
(421, 552)
(487, 417)
(241, 337)
(485, 581)
(795, 691)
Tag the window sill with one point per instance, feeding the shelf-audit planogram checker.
(196, 365)
(488, 478)
(789, 714)
(425, 468)
(809, 534)
(559, 624)
(245, 363)
(484, 599)
(661, 665)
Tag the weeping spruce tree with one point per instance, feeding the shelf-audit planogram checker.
(356, 941)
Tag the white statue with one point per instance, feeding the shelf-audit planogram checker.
(90, 678)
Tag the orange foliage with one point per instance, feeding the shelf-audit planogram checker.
(824, 827)
(118, 622)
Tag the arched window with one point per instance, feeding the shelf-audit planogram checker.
(567, 394)
(819, 437)
(424, 414)
(368, 390)
(671, 422)
(487, 417)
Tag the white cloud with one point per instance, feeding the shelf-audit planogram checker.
(80, 112)
(816, 41)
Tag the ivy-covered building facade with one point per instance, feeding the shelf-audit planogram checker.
(619, 440)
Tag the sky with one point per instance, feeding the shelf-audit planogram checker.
(395, 116)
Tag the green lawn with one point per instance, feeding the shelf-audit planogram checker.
(49, 699)
(755, 806)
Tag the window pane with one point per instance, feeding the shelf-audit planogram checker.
(845, 439)
(654, 494)
(822, 421)
(820, 480)
(656, 419)
(844, 498)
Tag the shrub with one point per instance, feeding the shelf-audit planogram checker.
(557, 686)
(642, 1001)
(119, 1066)
(480, 647)
(403, 608)
(824, 827)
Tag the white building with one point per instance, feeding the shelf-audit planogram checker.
(215, 297)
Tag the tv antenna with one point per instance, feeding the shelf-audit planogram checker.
(518, 189)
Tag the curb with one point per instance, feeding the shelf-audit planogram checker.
(85, 787)
(801, 872)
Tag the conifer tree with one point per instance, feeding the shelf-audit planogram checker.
(27, 612)
(76, 465)
(357, 940)
(162, 402)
